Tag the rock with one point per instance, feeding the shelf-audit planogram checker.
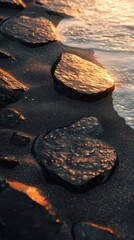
(10, 88)
(13, 3)
(61, 7)
(81, 79)
(5, 55)
(24, 218)
(8, 161)
(73, 160)
(10, 118)
(88, 230)
(31, 31)
(20, 139)
(86, 127)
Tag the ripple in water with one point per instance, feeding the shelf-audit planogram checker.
(107, 26)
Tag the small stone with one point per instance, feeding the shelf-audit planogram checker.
(22, 217)
(8, 161)
(81, 79)
(88, 230)
(13, 3)
(61, 7)
(5, 55)
(20, 139)
(72, 159)
(10, 88)
(31, 31)
(10, 118)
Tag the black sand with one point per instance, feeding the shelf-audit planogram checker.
(109, 204)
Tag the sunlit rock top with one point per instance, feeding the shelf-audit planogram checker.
(71, 159)
(29, 30)
(12, 3)
(61, 7)
(82, 76)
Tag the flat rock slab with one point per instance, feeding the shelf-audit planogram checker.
(30, 31)
(81, 79)
(10, 88)
(73, 160)
(88, 230)
(13, 3)
(61, 7)
(23, 218)
(10, 118)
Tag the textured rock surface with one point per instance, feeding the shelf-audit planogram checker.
(91, 231)
(10, 88)
(75, 160)
(61, 7)
(20, 139)
(32, 31)
(80, 78)
(8, 161)
(10, 118)
(24, 218)
(12, 3)
(85, 127)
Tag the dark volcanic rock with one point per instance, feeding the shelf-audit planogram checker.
(81, 79)
(5, 55)
(8, 161)
(61, 7)
(12, 3)
(10, 88)
(74, 160)
(28, 30)
(10, 118)
(23, 218)
(91, 231)
(85, 127)
(20, 139)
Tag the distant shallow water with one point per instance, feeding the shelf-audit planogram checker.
(107, 27)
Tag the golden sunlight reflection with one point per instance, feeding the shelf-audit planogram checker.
(35, 194)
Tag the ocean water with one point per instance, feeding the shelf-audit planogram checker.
(107, 26)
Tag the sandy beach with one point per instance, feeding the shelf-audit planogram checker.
(44, 109)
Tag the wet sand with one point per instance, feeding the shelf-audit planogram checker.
(109, 204)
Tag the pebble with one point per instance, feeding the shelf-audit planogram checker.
(8, 161)
(20, 139)
(10, 118)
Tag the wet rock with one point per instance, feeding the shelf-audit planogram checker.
(23, 218)
(20, 139)
(10, 118)
(81, 79)
(8, 161)
(73, 160)
(13, 3)
(88, 230)
(5, 55)
(31, 31)
(10, 88)
(61, 7)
